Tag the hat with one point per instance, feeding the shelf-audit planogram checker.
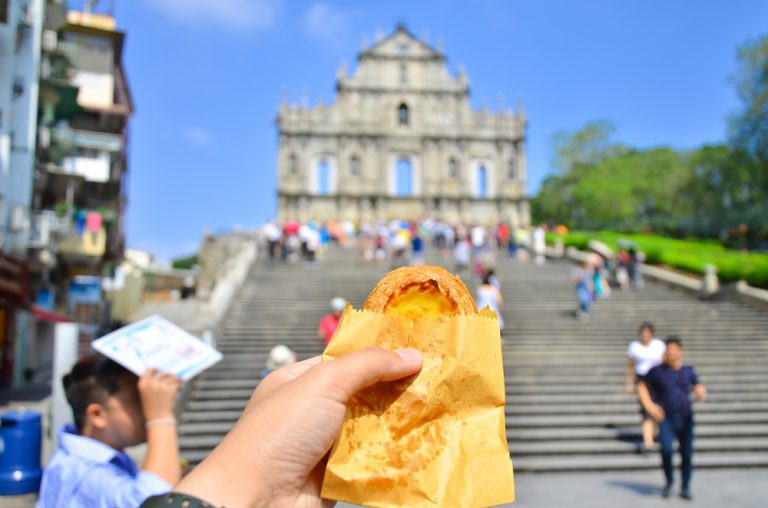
(280, 356)
(338, 303)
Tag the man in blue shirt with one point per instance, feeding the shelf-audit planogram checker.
(665, 395)
(113, 409)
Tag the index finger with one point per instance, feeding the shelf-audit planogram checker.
(151, 372)
(346, 375)
(284, 375)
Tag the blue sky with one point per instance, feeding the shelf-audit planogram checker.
(207, 75)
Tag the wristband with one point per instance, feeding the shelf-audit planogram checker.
(160, 422)
(175, 500)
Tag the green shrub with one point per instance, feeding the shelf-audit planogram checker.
(686, 255)
(185, 263)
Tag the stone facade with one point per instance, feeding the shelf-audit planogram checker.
(401, 142)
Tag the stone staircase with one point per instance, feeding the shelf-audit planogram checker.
(566, 408)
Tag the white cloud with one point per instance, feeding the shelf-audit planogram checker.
(237, 14)
(198, 135)
(324, 22)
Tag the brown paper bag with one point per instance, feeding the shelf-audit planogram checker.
(437, 439)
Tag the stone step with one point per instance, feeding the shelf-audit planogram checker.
(581, 463)
(627, 433)
(243, 393)
(216, 410)
(516, 364)
(523, 389)
(622, 420)
(616, 447)
(218, 403)
(554, 438)
(747, 380)
(517, 449)
(564, 380)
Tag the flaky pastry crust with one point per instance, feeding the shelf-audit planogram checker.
(427, 280)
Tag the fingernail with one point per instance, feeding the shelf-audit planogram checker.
(410, 355)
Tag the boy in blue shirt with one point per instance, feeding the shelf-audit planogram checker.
(665, 395)
(113, 409)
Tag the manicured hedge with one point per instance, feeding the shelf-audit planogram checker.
(686, 255)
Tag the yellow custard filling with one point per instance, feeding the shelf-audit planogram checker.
(416, 302)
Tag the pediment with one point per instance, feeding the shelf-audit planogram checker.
(402, 44)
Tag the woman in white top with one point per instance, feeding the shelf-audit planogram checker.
(489, 295)
(643, 355)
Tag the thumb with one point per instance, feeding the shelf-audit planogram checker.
(345, 376)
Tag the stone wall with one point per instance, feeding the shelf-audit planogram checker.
(218, 256)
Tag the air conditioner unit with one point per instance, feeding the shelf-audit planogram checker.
(17, 218)
(50, 39)
(40, 233)
(44, 137)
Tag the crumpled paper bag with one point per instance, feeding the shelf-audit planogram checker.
(436, 439)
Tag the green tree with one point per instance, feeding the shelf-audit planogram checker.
(749, 129)
(585, 147)
(746, 177)
(713, 191)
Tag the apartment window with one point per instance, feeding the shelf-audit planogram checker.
(402, 114)
(354, 166)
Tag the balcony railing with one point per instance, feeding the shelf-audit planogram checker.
(61, 234)
(92, 140)
(89, 154)
(87, 244)
(46, 228)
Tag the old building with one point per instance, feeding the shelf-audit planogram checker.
(63, 161)
(82, 162)
(401, 142)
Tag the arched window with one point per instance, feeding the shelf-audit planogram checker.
(354, 166)
(293, 164)
(482, 182)
(512, 170)
(402, 114)
(404, 178)
(323, 178)
(453, 168)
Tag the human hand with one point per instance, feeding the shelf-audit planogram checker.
(274, 454)
(656, 412)
(157, 391)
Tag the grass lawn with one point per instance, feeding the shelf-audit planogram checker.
(686, 255)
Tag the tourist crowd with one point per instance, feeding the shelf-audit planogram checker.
(399, 242)
(601, 269)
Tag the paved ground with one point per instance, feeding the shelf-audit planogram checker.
(711, 489)
(641, 489)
